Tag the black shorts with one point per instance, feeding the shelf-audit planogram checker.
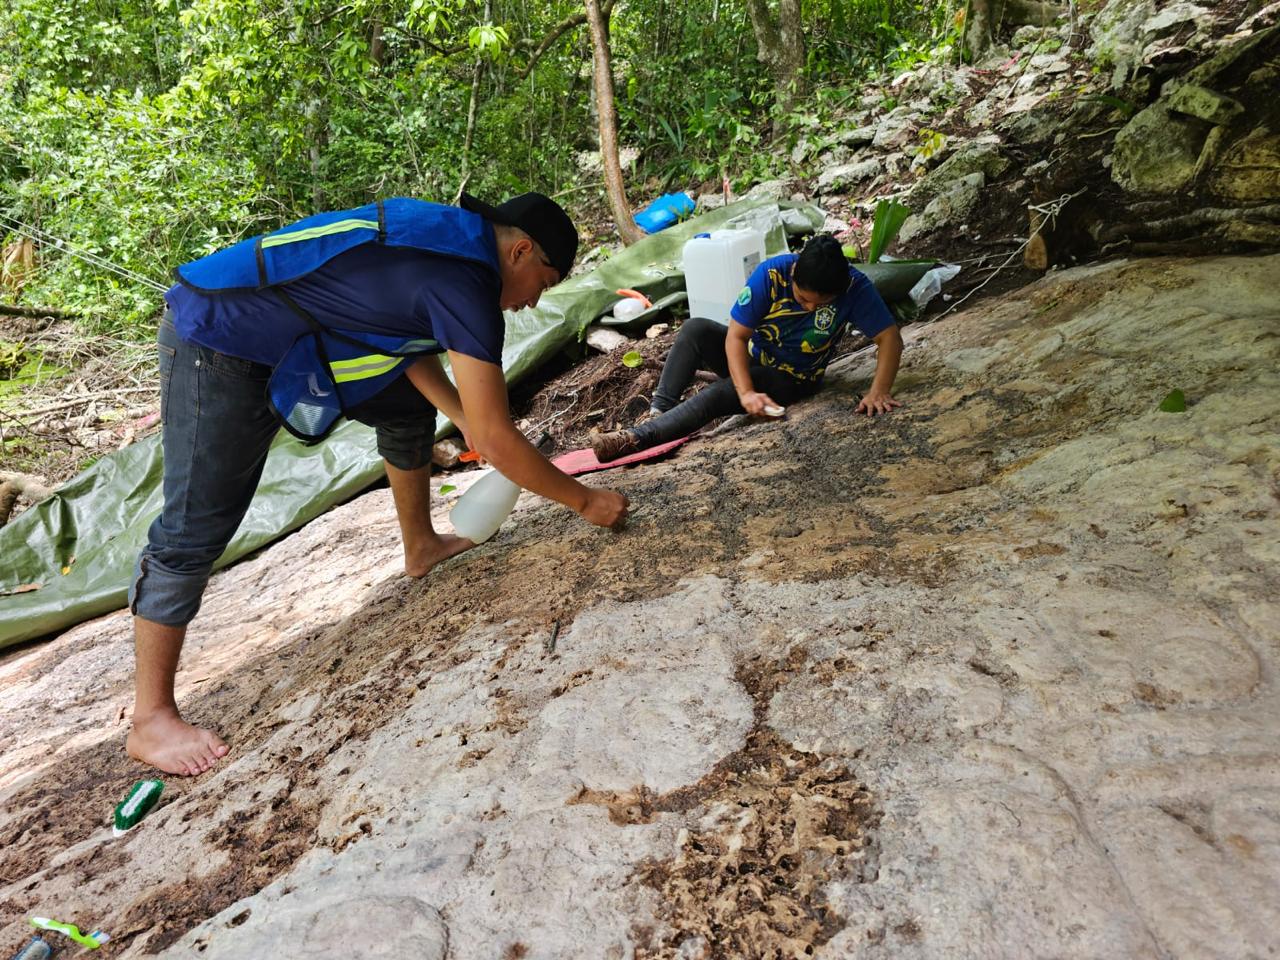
(405, 422)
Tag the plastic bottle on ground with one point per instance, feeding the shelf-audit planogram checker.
(627, 309)
(36, 949)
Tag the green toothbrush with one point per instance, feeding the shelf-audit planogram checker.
(143, 796)
(93, 940)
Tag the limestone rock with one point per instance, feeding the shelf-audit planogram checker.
(767, 190)
(446, 452)
(604, 339)
(1032, 38)
(323, 920)
(1248, 170)
(1229, 66)
(951, 205)
(1204, 104)
(1175, 16)
(845, 175)
(895, 129)
(972, 157)
(979, 115)
(1117, 34)
(1048, 63)
(1157, 151)
(857, 137)
(993, 676)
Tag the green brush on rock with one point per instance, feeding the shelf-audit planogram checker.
(144, 795)
(91, 941)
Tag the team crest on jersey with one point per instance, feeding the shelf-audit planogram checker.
(744, 297)
(824, 317)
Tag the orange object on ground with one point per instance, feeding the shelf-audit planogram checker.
(635, 295)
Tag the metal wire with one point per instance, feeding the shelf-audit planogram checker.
(48, 239)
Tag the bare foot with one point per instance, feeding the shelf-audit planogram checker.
(164, 740)
(441, 547)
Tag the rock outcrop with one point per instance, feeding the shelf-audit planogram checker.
(994, 674)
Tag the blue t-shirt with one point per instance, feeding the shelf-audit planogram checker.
(797, 341)
(371, 288)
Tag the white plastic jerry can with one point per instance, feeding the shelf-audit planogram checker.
(716, 266)
(480, 511)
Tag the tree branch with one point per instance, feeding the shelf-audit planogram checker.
(13, 310)
(558, 31)
(427, 42)
(14, 485)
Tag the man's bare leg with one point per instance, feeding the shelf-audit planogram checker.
(423, 547)
(160, 737)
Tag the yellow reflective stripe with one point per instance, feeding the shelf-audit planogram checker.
(361, 368)
(338, 226)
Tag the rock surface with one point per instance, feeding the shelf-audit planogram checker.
(994, 675)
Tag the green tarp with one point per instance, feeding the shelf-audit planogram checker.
(79, 546)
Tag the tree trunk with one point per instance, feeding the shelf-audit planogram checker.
(377, 44)
(472, 106)
(780, 47)
(318, 136)
(626, 223)
(979, 26)
(984, 18)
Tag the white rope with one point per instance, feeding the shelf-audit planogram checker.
(1050, 211)
(48, 239)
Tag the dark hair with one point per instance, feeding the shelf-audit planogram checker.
(822, 268)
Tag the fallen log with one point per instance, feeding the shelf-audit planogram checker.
(13, 310)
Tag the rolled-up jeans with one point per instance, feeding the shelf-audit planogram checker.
(700, 345)
(217, 429)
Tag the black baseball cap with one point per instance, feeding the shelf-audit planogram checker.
(541, 218)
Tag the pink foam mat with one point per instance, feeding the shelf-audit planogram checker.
(584, 461)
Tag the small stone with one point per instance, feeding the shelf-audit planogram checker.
(857, 137)
(605, 340)
(767, 190)
(445, 454)
(657, 330)
(837, 178)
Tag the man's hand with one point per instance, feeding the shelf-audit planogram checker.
(754, 402)
(877, 402)
(605, 508)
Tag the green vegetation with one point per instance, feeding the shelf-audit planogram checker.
(889, 217)
(21, 368)
(148, 132)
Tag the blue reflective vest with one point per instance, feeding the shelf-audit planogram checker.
(327, 371)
